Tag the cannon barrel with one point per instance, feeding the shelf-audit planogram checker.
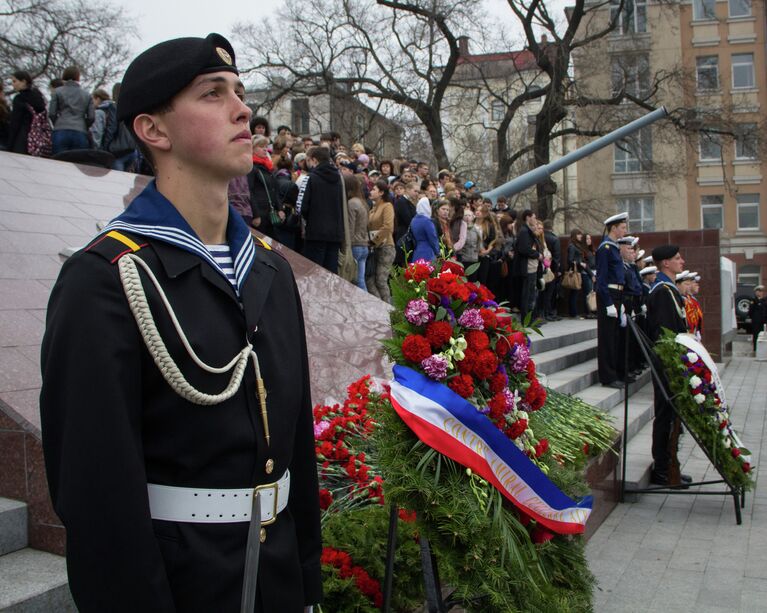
(543, 173)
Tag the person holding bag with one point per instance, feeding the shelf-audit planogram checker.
(577, 279)
(381, 229)
(264, 201)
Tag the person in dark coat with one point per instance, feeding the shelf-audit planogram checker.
(551, 293)
(757, 311)
(527, 259)
(153, 469)
(21, 118)
(665, 310)
(320, 202)
(404, 212)
(264, 199)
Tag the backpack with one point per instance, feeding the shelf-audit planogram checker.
(111, 126)
(123, 141)
(39, 137)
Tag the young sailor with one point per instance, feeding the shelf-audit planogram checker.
(176, 408)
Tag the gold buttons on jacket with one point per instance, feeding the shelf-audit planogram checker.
(262, 535)
(269, 466)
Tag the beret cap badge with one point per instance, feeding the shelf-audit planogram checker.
(224, 55)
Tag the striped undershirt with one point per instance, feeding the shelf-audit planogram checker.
(223, 257)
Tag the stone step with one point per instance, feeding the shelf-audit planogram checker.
(13, 525)
(573, 379)
(606, 398)
(640, 411)
(556, 360)
(559, 334)
(33, 581)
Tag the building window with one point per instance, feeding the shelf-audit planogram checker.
(739, 8)
(712, 212)
(641, 213)
(746, 142)
(634, 154)
(497, 110)
(632, 74)
(703, 10)
(748, 274)
(748, 211)
(299, 115)
(632, 17)
(710, 147)
(743, 71)
(707, 72)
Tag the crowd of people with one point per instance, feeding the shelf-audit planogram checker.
(71, 119)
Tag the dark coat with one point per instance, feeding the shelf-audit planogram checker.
(111, 424)
(21, 118)
(320, 202)
(263, 197)
(526, 248)
(757, 311)
(665, 309)
(552, 242)
(404, 212)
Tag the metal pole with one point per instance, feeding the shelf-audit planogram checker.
(542, 173)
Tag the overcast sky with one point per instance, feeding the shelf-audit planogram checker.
(160, 20)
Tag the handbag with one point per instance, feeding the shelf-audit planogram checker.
(572, 280)
(39, 138)
(591, 301)
(548, 276)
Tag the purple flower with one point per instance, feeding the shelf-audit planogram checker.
(511, 401)
(445, 301)
(435, 366)
(472, 319)
(418, 312)
(484, 410)
(520, 356)
(472, 297)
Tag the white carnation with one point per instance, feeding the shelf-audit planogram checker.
(727, 442)
(695, 381)
(692, 356)
(700, 398)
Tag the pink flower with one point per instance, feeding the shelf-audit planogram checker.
(435, 366)
(472, 319)
(320, 428)
(418, 312)
(520, 356)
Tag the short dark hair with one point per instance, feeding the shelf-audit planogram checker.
(326, 136)
(54, 83)
(319, 154)
(548, 224)
(281, 128)
(71, 73)
(527, 214)
(23, 75)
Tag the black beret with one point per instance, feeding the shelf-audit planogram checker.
(160, 72)
(664, 252)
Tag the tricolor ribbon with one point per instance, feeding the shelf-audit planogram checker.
(452, 426)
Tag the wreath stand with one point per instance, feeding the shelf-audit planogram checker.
(676, 487)
(435, 603)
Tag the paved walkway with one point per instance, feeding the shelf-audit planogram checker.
(685, 553)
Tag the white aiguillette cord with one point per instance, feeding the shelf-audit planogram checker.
(139, 306)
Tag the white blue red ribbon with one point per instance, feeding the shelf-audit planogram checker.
(452, 426)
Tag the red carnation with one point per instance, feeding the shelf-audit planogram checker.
(541, 448)
(451, 266)
(437, 285)
(460, 292)
(463, 385)
(497, 382)
(516, 429)
(535, 396)
(497, 406)
(466, 366)
(325, 499)
(476, 339)
(502, 346)
(517, 338)
(530, 368)
(486, 364)
(735, 452)
(406, 516)
(417, 272)
(489, 318)
(723, 424)
(416, 348)
(586, 449)
(438, 333)
(746, 466)
(541, 535)
(484, 294)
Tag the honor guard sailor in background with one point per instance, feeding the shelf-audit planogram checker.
(159, 434)
(665, 309)
(757, 311)
(610, 281)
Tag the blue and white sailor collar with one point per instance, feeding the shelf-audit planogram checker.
(152, 215)
(663, 279)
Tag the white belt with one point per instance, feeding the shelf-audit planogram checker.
(197, 505)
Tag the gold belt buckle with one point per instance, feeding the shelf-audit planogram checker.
(274, 486)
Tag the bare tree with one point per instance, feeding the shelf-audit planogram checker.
(401, 53)
(45, 36)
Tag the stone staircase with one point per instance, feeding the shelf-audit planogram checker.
(31, 581)
(567, 356)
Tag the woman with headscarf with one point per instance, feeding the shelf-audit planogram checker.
(424, 233)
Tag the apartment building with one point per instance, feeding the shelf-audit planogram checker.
(705, 60)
